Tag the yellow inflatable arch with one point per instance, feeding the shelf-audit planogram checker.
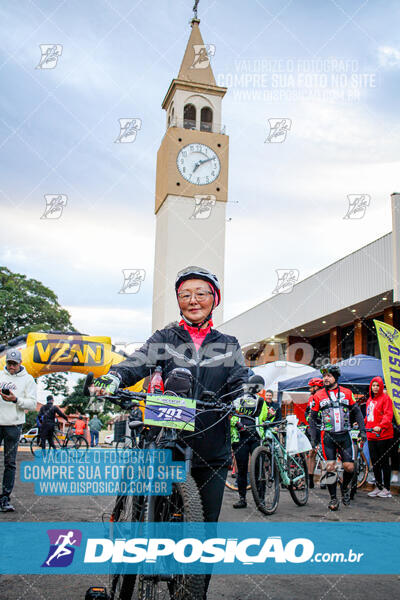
(59, 352)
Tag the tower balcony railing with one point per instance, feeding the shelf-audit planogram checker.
(204, 126)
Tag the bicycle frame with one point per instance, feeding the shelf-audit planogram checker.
(281, 456)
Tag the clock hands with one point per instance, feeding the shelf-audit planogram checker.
(201, 162)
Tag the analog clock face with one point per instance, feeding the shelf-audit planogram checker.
(198, 164)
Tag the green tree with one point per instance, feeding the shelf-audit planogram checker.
(76, 402)
(30, 420)
(56, 384)
(27, 305)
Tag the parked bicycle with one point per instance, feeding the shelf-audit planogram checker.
(61, 441)
(361, 468)
(167, 427)
(135, 424)
(271, 465)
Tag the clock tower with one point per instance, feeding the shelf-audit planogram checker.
(191, 181)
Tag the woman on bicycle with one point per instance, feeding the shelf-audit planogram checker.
(216, 363)
(379, 418)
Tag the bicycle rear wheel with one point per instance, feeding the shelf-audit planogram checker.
(297, 467)
(77, 442)
(264, 480)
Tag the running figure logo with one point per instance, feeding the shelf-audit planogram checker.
(287, 278)
(132, 280)
(278, 130)
(128, 130)
(202, 55)
(203, 206)
(62, 547)
(55, 204)
(358, 204)
(50, 55)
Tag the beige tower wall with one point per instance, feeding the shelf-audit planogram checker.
(182, 241)
(396, 246)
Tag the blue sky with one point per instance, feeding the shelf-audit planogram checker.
(58, 126)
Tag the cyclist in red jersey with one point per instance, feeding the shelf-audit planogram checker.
(80, 426)
(338, 410)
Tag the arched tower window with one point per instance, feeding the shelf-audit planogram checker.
(206, 117)
(189, 116)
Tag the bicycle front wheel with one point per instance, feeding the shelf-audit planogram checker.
(126, 443)
(126, 509)
(77, 442)
(264, 480)
(184, 504)
(297, 467)
(36, 445)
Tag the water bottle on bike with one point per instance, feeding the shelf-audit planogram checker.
(156, 385)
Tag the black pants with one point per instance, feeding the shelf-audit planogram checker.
(9, 435)
(46, 433)
(243, 450)
(211, 484)
(380, 454)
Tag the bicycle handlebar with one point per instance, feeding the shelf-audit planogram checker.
(127, 400)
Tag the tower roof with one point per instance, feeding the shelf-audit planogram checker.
(195, 54)
(193, 75)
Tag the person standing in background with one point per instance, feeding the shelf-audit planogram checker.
(47, 419)
(379, 418)
(95, 426)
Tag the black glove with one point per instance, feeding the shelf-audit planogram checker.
(110, 382)
(239, 426)
(363, 435)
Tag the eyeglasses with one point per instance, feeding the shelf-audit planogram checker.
(199, 296)
(12, 363)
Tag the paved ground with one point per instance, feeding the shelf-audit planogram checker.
(54, 587)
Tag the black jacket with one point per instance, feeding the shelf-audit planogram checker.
(217, 366)
(47, 414)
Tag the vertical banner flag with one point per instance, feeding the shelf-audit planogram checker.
(389, 344)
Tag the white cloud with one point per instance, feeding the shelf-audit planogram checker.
(388, 56)
(124, 326)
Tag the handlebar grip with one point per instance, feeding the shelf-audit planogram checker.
(88, 382)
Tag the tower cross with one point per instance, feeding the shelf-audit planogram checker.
(195, 8)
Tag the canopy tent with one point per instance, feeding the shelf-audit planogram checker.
(280, 370)
(355, 371)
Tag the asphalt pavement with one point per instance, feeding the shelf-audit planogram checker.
(244, 587)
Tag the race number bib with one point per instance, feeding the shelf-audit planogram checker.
(370, 411)
(170, 411)
(336, 419)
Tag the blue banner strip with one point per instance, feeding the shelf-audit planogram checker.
(230, 548)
